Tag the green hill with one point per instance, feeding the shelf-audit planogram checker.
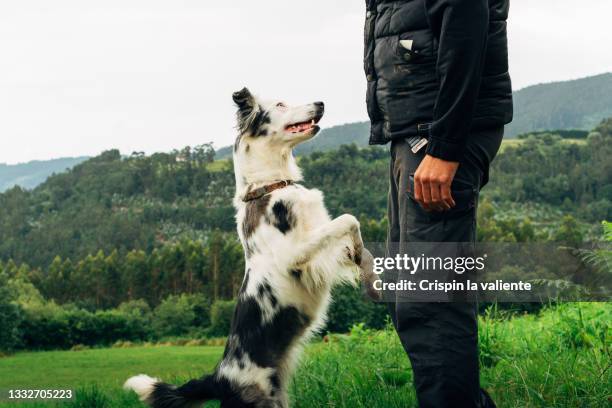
(569, 105)
(142, 202)
(29, 175)
(577, 104)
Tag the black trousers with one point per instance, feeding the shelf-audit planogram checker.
(440, 338)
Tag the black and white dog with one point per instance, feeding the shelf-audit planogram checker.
(295, 253)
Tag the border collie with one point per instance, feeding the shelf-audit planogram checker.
(295, 253)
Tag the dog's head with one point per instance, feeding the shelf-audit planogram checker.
(274, 124)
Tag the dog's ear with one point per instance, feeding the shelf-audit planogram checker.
(249, 112)
(243, 99)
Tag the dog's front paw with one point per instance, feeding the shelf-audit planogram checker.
(349, 253)
(367, 275)
(354, 254)
(349, 223)
(358, 257)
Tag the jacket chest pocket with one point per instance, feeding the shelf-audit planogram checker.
(415, 48)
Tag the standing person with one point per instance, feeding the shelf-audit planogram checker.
(438, 70)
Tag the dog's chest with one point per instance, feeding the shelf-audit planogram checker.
(286, 213)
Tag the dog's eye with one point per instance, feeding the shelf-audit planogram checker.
(281, 105)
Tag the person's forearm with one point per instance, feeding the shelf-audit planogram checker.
(462, 26)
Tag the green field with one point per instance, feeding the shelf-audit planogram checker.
(559, 358)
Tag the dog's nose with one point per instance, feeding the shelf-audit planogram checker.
(319, 105)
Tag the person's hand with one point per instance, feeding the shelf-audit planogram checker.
(432, 183)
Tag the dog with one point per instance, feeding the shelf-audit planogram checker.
(294, 255)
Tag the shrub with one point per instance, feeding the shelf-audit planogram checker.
(350, 308)
(10, 316)
(221, 315)
(178, 315)
(45, 331)
(201, 306)
(63, 328)
(137, 307)
(113, 325)
(173, 317)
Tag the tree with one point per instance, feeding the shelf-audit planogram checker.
(568, 232)
(10, 316)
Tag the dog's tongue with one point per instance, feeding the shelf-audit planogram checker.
(300, 127)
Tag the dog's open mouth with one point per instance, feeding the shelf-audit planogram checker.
(302, 127)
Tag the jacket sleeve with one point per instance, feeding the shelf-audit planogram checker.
(462, 27)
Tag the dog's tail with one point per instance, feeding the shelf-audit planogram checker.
(158, 394)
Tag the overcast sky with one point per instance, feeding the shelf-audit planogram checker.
(80, 76)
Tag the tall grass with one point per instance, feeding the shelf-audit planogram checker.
(558, 358)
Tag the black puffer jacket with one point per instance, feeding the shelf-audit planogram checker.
(437, 68)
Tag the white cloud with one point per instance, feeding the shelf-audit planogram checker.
(553, 40)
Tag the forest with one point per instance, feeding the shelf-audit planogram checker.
(119, 246)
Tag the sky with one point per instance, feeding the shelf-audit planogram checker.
(78, 77)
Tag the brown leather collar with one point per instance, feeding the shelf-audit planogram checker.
(262, 191)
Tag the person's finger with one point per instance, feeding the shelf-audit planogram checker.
(447, 196)
(444, 202)
(426, 192)
(418, 191)
(436, 198)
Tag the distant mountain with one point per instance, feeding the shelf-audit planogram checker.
(329, 139)
(31, 174)
(577, 104)
(569, 105)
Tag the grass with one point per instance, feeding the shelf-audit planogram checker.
(559, 358)
(103, 367)
(98, 374)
